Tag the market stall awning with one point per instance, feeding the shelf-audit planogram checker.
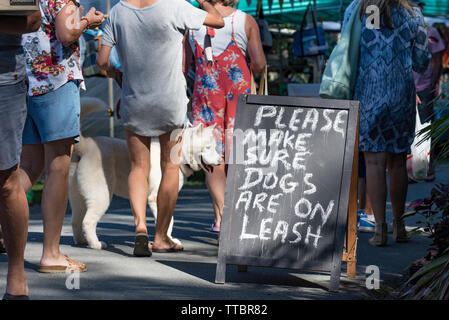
(435, 8)
(292, 11)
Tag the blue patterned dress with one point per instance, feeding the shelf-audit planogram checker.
(385, 86)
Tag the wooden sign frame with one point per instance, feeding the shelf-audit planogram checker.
(345, 240)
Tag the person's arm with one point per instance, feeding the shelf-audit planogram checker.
(103, 58)
(214, 18)
(16, 25)
(70, 24)
(105, 66)
(187, 54)
(255, 49)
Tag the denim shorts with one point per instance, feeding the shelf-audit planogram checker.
(13, 113)
(53, 116)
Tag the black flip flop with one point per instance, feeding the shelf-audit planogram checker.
(169, 250)
(141, 248)
(8, 296)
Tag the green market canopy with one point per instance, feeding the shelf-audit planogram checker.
(292, 11)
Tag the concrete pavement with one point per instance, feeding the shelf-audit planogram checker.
(115, 274)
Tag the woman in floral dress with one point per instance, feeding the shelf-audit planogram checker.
(220, 77)
(52, 124)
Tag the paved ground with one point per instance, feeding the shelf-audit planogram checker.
(115, 274)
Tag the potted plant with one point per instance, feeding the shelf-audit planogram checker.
(429, 277)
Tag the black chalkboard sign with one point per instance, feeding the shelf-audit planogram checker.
(288, 186)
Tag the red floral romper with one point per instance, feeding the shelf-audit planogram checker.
(216, 90)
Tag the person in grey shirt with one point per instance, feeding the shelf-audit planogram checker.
(148, 36)
(13, 95)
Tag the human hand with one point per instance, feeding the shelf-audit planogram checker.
(418, 100)
(118, 78)
(94, 18)
(115, 74)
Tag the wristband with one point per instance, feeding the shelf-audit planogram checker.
(87, 20)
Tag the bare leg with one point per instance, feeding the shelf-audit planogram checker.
(168, 192)
(14, 220)
(364, 201)
(368, 206)
(216, 183)
(55, 198)
(140, 157)
(376, 183)
(397, 173)
(32, 165)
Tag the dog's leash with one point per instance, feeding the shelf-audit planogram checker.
(185, 126)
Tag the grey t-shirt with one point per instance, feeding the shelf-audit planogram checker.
(149, 45)
(12, 60)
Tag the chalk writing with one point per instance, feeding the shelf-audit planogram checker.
(286, 149)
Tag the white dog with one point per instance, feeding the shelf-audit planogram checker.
(100, 169)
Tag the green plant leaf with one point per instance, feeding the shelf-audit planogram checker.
(428, 267)
(444, 285)
(414, 233)
(427, 277)
(431, 218)
(436, 131)
(409, 214)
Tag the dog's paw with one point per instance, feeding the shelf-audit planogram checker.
(177, 241)
(80, 241)
(98, 245)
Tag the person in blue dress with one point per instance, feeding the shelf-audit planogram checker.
(389, 53)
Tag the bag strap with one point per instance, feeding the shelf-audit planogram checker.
(301, 29)
(263, 85)
(315, 26)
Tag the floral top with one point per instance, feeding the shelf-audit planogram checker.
(50, 65)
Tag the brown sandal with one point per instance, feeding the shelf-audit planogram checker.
(400, 234)
(74, 266)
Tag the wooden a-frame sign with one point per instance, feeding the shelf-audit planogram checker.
(265, 224)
